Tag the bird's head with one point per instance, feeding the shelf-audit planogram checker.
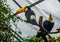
(50, 18)
(27, 7)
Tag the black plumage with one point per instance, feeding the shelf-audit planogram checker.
(28, 14)
(48, 25)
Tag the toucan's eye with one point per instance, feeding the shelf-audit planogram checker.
(26, 9)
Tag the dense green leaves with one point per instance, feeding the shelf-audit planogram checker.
(34, 39)
(58, 39)
(5, 17)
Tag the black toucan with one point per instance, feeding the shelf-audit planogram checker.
(29, 14)
(48, 25)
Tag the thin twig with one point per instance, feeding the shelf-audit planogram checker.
(30, 5)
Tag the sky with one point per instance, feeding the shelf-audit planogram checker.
(42, 9)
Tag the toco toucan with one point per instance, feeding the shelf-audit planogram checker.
(29, 14)
(48, 25)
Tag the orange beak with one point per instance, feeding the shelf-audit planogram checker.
(20, 10)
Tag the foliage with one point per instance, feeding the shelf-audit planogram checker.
(34, 39)
(58, 39)
(5, 17)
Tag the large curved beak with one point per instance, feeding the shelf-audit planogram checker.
(20, 10)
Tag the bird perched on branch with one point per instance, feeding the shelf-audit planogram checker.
(48, 25)
(29, 14)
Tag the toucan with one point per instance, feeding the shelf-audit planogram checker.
(48, 25)
(29, 14)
